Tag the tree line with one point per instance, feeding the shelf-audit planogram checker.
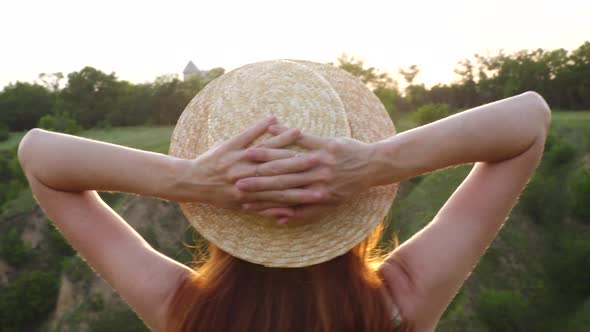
(561, 76)
(91, 98)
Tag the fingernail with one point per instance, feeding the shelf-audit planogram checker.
(317, 194)
(283, 221)
(241, 184)
(272, 118)
(246, 206)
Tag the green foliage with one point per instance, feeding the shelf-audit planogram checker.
(23, 104)
(547, 197)
(581, 193)
(391, 99)
(113, 199)
(149, 234)
(561, 153)
(12, 179)
(12, 248)
(432, 112)
(569, 269)
(27, 300)
(76, 269)
(58, 245)
(4, 132)
(21, 204)
(96, 302)
(90, 95)
(59, 122)
(579, 320)
(117, 319)
(503, 310)
(370, 76)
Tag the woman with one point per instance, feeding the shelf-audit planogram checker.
(504, 139)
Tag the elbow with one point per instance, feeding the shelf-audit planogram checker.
(25, 150)
(541, 110)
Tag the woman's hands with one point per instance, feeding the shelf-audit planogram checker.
(343, 167)
(211, 177)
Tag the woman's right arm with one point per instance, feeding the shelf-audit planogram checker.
(506, 140)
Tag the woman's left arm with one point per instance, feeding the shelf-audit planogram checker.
(64, 171)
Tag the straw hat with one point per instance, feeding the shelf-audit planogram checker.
(317, 98)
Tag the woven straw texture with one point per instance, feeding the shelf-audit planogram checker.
(317, 98)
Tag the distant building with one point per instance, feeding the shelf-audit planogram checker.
(190, 70)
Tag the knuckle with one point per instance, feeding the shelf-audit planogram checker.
(294, 133)
(238, 195)
(311, 161)
(336, 144)
(258, 153)
(326, 195)
(332, 146)
(326, 175)
(231, 177)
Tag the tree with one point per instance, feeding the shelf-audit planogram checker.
(370, 76)
(51, 81)
(23, 104)
(410, 73)
(578, 77)
(170, 97)
(90, 95)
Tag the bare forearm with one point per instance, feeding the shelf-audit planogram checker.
(489, 133)
(70, 163)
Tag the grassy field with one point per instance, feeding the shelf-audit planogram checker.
(146, 138)
(158, 138)
(571, 119)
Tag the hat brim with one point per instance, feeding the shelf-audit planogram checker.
(317, 98)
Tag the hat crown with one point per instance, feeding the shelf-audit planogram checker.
(296, 95)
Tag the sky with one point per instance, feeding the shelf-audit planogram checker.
(140, 40)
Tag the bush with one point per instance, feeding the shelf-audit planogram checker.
(58, 245)
(59, 122)
(581, 190)
(545, 200)
(96, 302)
(12, 248)
(28, 299)
(569, 270)
(432, 112)
(117, 319)
(561, 153)
(76, 269)
(4, 132)
(12, 178)
(503, 310)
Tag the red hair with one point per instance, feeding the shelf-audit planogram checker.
(230, 294)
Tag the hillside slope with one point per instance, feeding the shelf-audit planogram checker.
(532, 278)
